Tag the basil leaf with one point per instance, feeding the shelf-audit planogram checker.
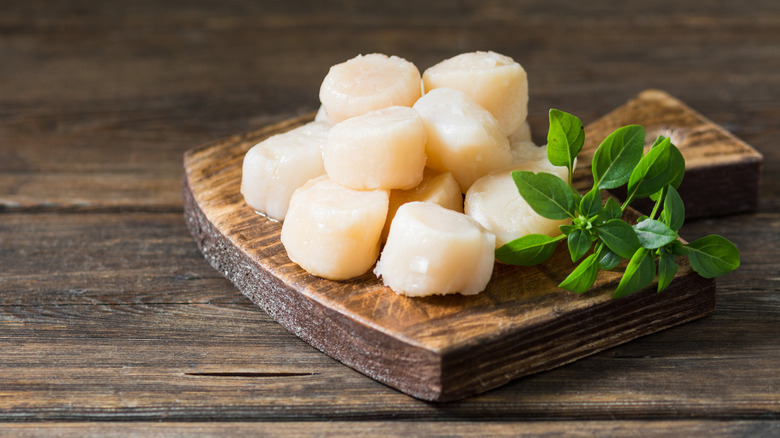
(564, 139)
(667, 267)
(658, 140)
(663, 165)
(547, 194)
(676, 248)
(617, 156)
(673, 213)
(680, 171)
(576, 196)
(609, 260)
(611, 210)
(583, 276)
(567, 229)
(579, 243)
(676, 166)
(528, 250)
(590, 204)
(712, 256)
(640, 273)
(654, 234)
(620, 237)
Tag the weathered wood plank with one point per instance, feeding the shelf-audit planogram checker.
(721, 171)
(648, 429)
(50, 259)
(98, 100)
(126, 258)
(125, 104)
(105, 333)
(185, 362)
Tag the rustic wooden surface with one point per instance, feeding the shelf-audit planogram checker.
(709, 152)
(434, 348)
(109, 315)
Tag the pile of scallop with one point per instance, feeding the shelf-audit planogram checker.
(386, 163)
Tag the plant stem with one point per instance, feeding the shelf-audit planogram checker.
(658, 203)
(626, 202)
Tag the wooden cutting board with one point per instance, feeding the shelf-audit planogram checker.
(445, 347)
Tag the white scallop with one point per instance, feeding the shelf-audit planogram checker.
(332, 231)
(275, 167)
(366, 83)
(462, 137)
(382, 149)
(436, 187)
(495, 203)
(433, 250)
(495, 81)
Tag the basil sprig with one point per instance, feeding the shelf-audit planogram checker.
(650, 246)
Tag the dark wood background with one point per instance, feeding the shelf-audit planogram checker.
(111, 322)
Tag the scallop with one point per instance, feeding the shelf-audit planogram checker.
(275, 167)
(462, 137)
(366, 83)
(495, 203)
(322, 116)
(495, 81)
(523, 134)
(433, 250)
(382, 149)
(436, 187)
(333, 231)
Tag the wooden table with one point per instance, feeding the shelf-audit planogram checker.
(111, 321)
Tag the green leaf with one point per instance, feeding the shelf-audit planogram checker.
(567, 229)
(617, 156)
(590, 204)
(583, 276)
(667, 267)
(547, 194)
(579, 243)
(609, 260)
(676, 180)
(658, 140)
(663, 165)
(677, 166)
(676, 248)
(576, 196)
(640, 273)
(528, 250)
(620, 237)
(564, 139)
(611, 210)
(673, 213)
(713, 256)
(654, 234)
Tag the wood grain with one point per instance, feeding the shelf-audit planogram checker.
(106, 303)
(437, 348)
(83, 337)
(102, 100)
(660, 429)
(722, 172)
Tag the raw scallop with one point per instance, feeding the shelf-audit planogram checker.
(436, 187)
(433, 250)
(495, 81)
(332, 231)
(382, 149)
(463, 137)
(275, 167)
(366, 83)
